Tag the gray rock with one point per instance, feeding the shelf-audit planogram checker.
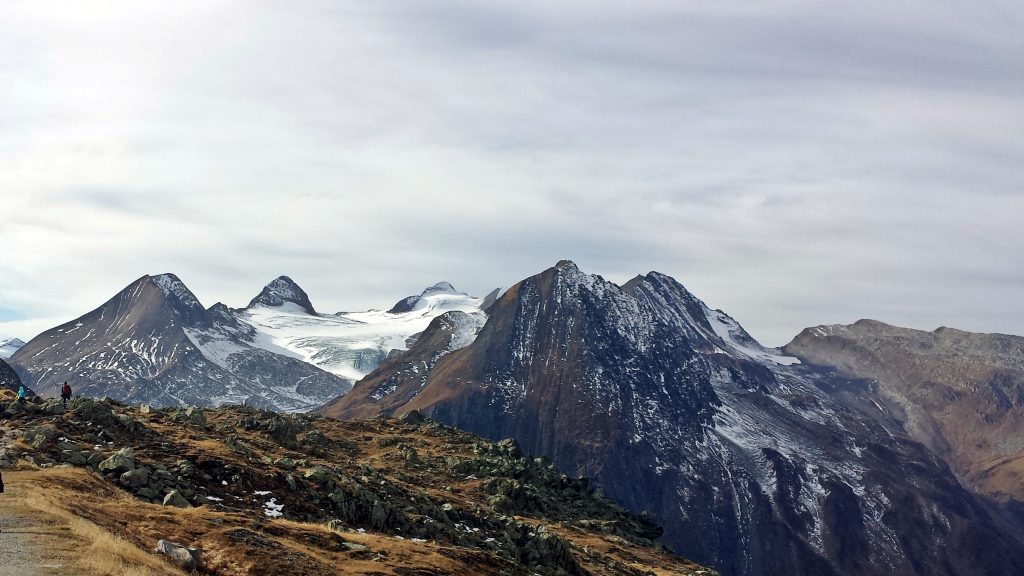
(195, 416)
(136, 478)
(122, 461)
(147, 493)
(174, 498)
(319, 474)
(286, 463)
(510, 447)
(412, 417)
(74, 457)
(186, 558)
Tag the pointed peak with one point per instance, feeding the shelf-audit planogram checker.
(441, 288)
(567, 265)
(280, 291)
(175, 289)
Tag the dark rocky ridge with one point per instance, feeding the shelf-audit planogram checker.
(751, 466)
(8, 378)
(961, 394)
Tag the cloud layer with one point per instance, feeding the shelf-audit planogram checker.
(791, 162)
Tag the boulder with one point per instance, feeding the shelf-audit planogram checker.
(412, 417)
(195, 416)
(283, 431)
(174, 498)
(122, 461)
(185, 558)
(319, 474)
(510, 447)
(97, 412)
(285, 463)
(136, 478)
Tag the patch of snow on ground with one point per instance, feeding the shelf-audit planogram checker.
(272, 509)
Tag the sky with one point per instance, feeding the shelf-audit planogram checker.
(791, 162)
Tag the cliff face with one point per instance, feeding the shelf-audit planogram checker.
(753, 463)
(961, 394)
(8, 378)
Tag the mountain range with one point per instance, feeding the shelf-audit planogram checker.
(863, 449)
(155, 343)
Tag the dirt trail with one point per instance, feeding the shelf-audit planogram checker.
(32, 542)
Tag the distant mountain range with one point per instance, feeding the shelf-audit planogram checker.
(9, 347)
(155, 343)
(854, 450)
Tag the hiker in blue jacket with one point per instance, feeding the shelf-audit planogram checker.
(21, 394)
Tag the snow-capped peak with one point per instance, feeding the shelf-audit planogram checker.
(173, 287)
(9, 346)
(441, 288)
(281, 291)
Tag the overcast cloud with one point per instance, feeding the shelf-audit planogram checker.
(793, 163)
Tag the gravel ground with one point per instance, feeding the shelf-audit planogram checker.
(33, 543)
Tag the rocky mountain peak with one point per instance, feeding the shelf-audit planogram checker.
(9, 346)
(175, 291)
(283, 290)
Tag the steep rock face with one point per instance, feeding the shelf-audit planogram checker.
(960, 394)
(281, 291)
(155, 343)
(672, 408)
(8, 378)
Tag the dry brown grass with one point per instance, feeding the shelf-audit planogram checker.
(104, 553)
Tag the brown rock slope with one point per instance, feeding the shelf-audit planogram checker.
(264, 494)
(959, 393)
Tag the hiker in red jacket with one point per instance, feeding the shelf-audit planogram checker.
(65, 394)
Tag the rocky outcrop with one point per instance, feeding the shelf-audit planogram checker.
(959, 393)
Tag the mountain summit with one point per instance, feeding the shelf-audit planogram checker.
(672, 408)
(437, 291)
(9, 347)
(281, 291)
(154, 343)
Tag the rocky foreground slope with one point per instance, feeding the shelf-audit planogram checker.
(959, 393)
(259, 493)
